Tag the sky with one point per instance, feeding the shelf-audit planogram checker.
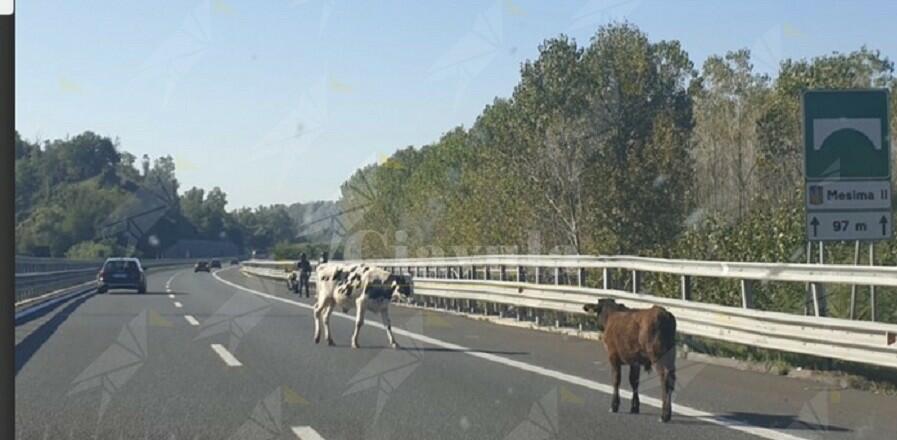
(280, 101)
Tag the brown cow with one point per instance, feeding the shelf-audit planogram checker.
(638, 337)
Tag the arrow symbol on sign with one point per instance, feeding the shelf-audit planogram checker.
(884, 225)
(815, 224)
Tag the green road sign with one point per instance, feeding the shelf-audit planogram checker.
(846, 134)
(847, 163)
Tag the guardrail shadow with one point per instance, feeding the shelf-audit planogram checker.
(48, 308)
(26, 349)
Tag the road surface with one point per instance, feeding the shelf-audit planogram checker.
(226, 355)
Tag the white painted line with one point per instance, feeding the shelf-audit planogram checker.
(171, 296)
(225, 355)
(704, 416)
(178, 305)
(168, 283)
(306, 433)
(191, 320)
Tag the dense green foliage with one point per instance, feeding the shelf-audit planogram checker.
(623, 146)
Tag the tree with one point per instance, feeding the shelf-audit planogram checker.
(557, 141)
(640, 102)
(727, 109)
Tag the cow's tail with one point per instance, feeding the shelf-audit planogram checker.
(667, 328)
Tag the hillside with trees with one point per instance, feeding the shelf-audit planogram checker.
(622, 146)
(74, 198)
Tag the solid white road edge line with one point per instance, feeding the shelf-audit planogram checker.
(191, 320)
(306, 433)
(704, 416)
(225, 355)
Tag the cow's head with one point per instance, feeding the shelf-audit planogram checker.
(602, 309)
(402, 286)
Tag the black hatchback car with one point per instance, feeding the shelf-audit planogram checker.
(201, 266)
(216, 264)
(121, 273)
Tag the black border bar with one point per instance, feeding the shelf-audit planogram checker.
(7, 223)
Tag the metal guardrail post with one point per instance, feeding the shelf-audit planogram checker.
(538, 275)
(747, 294)
(557, 276)
(605, 278)
(580, 277)
(853, 287)
(818, 292)
(685, 284)
(636, 282)
(872, 301)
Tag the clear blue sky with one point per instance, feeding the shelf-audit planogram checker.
(280, 101)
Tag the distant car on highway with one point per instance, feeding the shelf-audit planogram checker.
(234, 262)
(201, 266)
(216, 264)
(121, 273)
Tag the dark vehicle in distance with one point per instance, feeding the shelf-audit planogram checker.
(234, 262)
(216, 264)
(121, 273)
(201, 266)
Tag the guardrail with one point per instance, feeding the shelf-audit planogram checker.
(38, 264)
(500, 284)
(39, 276)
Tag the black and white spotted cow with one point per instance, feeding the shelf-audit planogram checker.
(364, 287)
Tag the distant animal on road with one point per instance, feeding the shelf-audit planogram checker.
(364, 287)
(638, 338)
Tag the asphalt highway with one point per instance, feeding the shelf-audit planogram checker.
(227, 356)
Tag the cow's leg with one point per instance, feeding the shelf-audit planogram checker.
(384, 316)
(359, 321)
(319, 314)
(328, 309)
(615, 378)
(667, 373)
(634, 371)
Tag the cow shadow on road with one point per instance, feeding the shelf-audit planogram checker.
(31, 343)
(448, 350)
(132, 292)
(769, 421)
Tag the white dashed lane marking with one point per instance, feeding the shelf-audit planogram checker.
(191, 320)
(225, 355)
(306, 433)
(178, 305)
